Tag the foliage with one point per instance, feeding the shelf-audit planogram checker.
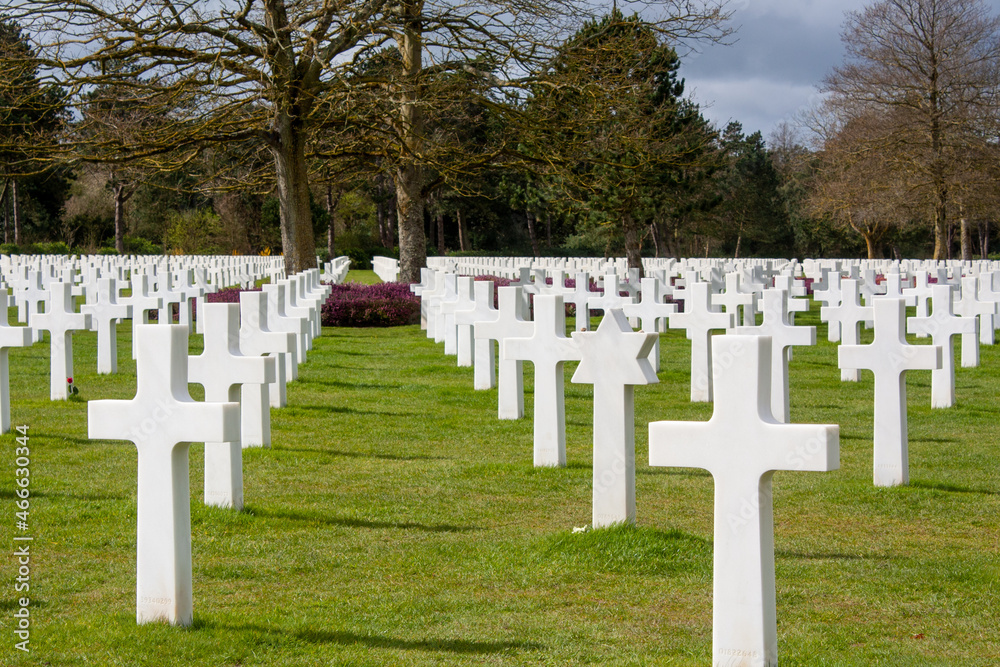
(616, 127)
(136, 245)
(380, 305)
(751, 207)
(194, 233)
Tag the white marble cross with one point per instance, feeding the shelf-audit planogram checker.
(580, 297)
(105, 311)
(430, 296)
(458, 340)
(830, 296)
(510, 323)
(9, 337)
(162, 420)
(894, 286)
(989, 294)
(942, 326)
(33, 296)
(849, 315)
(295, 309)
(256, 339)
(168, 296)
(484, 349)
(920, 295)
(222, 369)
(969, 306)
(614, 359)
(142, 303)
(651, 312)
(441, 320)
(699, 319)
(313, 301)
(889, 357)
(742, 446)
(783, 335)
(61, 319)
(278, 320)
(611, 297)
(547, 349)
(735, 300)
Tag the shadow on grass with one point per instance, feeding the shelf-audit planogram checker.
(348, 385)
(291, 410)
(313, 636)
(362, 455)
(91, 497)
(678, 472)
(836, 555)
(952, 488)
(345, 522)
(11, 495)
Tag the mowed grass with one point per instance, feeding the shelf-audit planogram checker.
(396, 521)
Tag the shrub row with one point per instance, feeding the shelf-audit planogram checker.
(381, 305)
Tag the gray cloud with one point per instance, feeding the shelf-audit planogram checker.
(784, 50)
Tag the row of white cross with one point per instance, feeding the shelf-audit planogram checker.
(251, 350)
(748, 436)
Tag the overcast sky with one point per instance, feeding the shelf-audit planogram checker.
(784, 48)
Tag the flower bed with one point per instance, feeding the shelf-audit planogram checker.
(381, 305)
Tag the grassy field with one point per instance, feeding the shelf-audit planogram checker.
(396, 521)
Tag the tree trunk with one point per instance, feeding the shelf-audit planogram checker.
(3, 207)
(633, 242)
(440, 233)
(297, 239)
(16, 209)
(331, 210)
(410, 200)
(461, 230)
(432, 233)
(941, 245)
(382, 213)
(984, 239)
(872, 243)
(530, 218)
(548, 229)
(121, 197)
(966, 232)
(410, 214)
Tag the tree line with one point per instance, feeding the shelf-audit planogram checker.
(527, 127)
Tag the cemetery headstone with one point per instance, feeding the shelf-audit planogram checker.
(510, 323)
(9, 337)
(614, 359)
(547, 349)
(889, 356)
(162, 420)
(942, 326)
(742, 446)
(60, 319)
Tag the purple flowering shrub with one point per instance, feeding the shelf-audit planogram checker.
(381, 305)
(228, 295)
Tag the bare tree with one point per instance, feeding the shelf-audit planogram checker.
(854, 185)
(934, 67)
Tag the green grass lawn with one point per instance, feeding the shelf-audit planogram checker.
(396, 521)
